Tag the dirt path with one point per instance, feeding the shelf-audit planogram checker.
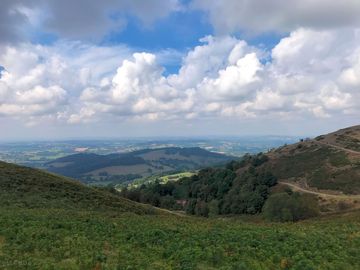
(176, 213)
(321, 194)
(338, 147)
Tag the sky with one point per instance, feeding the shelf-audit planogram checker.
(122, 68)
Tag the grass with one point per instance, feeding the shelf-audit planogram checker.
(151, 179)
(59, 239)
(175, 177)
(348, 142)
(31, 188)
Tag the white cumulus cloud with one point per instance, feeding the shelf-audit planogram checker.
(310, 73)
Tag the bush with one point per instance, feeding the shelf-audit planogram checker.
(285, 207)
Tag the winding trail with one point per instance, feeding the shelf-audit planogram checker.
(337, 147)
(322, 194)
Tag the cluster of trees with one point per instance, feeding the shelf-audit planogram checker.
(242, 187)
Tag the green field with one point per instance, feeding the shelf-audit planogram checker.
(175, 177)
(151, 179)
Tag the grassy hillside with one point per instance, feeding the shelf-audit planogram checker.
(348, 138)
(329, 162)
(30, 188)
(58, 239)
(119, 168)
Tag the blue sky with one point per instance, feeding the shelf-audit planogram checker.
(195, 67)
(179, 31)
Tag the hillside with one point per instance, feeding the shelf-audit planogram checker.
(329, 162)
(31, 188)
(51, 222)
(122, 167)
(309, 178)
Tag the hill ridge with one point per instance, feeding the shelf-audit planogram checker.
(122, 167)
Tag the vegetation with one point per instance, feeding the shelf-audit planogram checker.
(106, 179)
(175, 176)
(323, 167)
(160, 178)
(213, 191)
(69, 239)
(31, 188)
(78, 164)
(125, 167)
(289, 206)
(50, 222)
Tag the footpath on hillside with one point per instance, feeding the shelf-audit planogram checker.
(338, 147)
(322, 194)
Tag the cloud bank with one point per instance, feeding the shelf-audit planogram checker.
(313, 73)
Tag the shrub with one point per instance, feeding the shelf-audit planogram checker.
(290, 207)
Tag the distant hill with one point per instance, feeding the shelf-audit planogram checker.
(123, 167)
(32, 188)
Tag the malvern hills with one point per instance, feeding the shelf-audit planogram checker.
(53, 222)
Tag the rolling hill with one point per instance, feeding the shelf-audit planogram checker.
(24, 187)
(122, 167)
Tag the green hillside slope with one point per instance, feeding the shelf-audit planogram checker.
(31, 188)
(58, 239)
